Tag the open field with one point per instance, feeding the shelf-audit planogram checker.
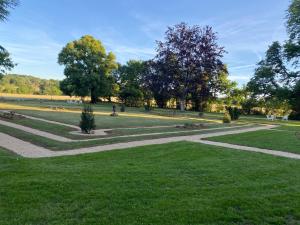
(178, 183)
(175, 183)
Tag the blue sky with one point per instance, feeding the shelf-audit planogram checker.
(37, 30)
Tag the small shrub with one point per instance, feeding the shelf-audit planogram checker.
(234, 112)
(87, 123)
(226, 118)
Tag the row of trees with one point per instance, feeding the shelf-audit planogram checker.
(188, 68)
(23, 84)
(277, 76)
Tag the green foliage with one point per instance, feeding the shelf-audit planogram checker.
(87, 123)
(131, 96)
(129, 77)
(226, 118)
(87, 68)
(23, 84)
(5, 61)
(234, 112)
(193, 59)
(292, 46)
(5, 5)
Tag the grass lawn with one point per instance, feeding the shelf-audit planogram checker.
(65, 131)
(106, 121)
(56, 146)
(177, 183)
(283, 139)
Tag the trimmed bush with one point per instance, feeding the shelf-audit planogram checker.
(226, 118)
(87, 123)
(234, 112)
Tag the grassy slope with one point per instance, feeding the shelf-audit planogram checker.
(283, 139)
(178, 183)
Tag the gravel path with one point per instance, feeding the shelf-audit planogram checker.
(36, 132)
(64, 139)
(251, 149)
(29, 150)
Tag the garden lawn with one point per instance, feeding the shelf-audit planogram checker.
(57, 145)
(103, 119)
(284, 138)
(177, 183)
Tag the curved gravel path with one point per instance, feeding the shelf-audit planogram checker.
(64, 139)
(30, 150)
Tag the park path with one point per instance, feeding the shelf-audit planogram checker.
(30, 150)
(64, 139)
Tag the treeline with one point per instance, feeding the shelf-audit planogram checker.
(24, 84)
(188, 68)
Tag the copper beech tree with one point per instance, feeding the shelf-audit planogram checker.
(193, 59)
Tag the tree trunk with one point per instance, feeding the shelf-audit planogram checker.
(182, 105)
(94, 97)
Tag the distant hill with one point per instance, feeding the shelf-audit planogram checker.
(25, 84)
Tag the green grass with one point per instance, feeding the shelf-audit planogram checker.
(283, 139)
(106, 121)
(56, 146)
(178, 183)
(65, 131)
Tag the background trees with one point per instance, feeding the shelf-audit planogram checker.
(277, 77)
(87, 68)
(129, 78)
(23, 84)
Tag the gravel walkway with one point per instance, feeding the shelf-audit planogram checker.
(29, 150)
(251, 149)
(64, 139)
(36, 132)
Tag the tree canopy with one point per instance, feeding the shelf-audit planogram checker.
(87, 68)
(194, 59)
(277, 76)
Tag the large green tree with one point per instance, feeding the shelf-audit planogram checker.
(277, 77)
(87, 68)
(292, 46)
(129, 77)
(5, 60)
